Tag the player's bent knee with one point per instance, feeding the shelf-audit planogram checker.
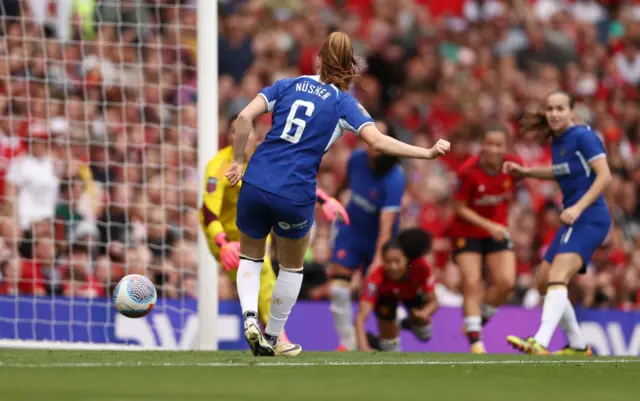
(564, 267)
(340, 297)
(505, 284)
(251, 247)
(470, 287)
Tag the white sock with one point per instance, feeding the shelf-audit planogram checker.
(390, 345)
(569, 324)
(285, 295)
(472, 323)
(343, 315)
(422, 332)
(488, 311)
(555, 303)
(248, 283)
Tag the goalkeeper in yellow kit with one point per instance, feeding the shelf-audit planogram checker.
(218, 220)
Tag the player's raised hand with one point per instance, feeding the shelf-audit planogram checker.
(514, 169)
(331, 207)
(441, 148)
(234, 173)
(334, 210)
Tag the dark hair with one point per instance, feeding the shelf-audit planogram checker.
(537, 121)
(413, 242)
(383, 163)
(496, 127)
(339, 65)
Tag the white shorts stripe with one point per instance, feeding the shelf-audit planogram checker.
(567, 235)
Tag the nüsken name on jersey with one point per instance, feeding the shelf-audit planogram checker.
(313, 89)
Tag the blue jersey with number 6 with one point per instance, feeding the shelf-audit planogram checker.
(308, 117)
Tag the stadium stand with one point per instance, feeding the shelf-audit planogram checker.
(98, 125)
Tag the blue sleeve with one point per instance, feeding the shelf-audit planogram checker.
(353, 117)
(394, 190)
(272, 93)
(590, 146)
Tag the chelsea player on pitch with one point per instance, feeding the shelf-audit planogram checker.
(581, 170)
(279, 187)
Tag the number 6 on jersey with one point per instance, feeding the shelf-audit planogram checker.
(300, 123)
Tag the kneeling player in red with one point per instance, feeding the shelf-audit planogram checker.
(405, 277)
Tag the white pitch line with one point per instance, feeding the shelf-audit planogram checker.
(319, 363)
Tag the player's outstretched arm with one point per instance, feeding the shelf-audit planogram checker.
(385, 144)
(519, 171)
(364, 310)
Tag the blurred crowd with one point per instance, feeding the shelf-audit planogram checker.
(98, 127)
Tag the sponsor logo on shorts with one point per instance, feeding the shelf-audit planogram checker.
(461, 242)
(296, 226)
(301, 225)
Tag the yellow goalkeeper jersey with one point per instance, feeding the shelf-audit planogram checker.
(218, 211)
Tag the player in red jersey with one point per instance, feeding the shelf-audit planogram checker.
(480, 233)
(404, 277)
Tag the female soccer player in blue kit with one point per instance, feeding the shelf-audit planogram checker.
(279, 187)
(580, 167)
(377, 184)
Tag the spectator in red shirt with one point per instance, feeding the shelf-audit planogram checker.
(480, 232)
(33, 279)
(404, 278)
(80, 280)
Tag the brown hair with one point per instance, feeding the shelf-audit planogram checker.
(497, 126)
(338, 65)
(537, 120)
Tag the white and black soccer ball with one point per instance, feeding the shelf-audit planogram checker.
(135, 296)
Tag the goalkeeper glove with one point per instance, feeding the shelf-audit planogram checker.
(331, 207)
(229, 252)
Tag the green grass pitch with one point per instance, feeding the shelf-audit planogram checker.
(41, 375)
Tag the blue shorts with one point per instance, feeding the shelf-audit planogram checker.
(582, 237)
(352, 250)
(260, 211)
